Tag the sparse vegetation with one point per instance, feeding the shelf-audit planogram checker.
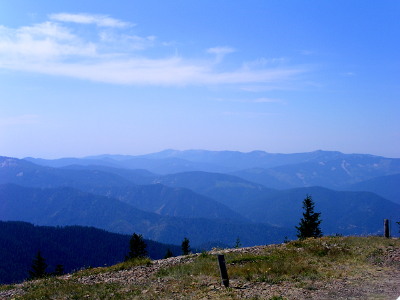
(287, 271)
(127, 264)
(54, 288)
(6, 287)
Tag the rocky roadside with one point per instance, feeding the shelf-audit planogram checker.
(379, 282)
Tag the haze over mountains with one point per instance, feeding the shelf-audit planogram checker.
(324, 168)
(209, 196)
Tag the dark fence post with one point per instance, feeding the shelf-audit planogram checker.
(386, 228)
(223, 271)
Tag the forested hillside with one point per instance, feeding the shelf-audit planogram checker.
(67, 206)
(74, 247)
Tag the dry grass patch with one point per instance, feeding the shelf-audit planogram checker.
(118, 267)
(54, 288)
(309, 259)
(6, 287)
(323, 265)
(296, 261)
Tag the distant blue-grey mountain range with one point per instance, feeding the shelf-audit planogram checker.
(323, 168)
(209, 196)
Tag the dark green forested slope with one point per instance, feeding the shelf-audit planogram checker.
(74, 247)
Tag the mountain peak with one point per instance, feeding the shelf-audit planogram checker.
(8, 161)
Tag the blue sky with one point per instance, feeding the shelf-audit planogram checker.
(89, 77)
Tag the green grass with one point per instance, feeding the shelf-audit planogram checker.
(297, 263)
(293, 261)
(6, 287)
(118, 267)
(204, 264)
(54, 288)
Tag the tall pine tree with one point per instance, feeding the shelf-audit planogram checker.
(168, 254)
(59, 270)
(39, 267)
(309, 224)
(185, 246)
(137, 247)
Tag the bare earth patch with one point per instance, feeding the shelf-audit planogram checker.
(377, 278)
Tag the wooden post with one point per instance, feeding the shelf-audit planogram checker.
(223, 271)
(386, 228)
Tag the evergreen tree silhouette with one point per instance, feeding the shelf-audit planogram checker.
(309, 224)
(185, 246)
(168, 254)
(137, 247)
(238, 244)
(59, 270)
(39, 267)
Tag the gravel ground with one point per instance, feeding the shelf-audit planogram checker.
(380, 281)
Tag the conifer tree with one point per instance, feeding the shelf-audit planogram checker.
(309, 224)
(238, 244)
(59, 270)
(137, 247)
(39, 267)
(168, 254)
(185, 246)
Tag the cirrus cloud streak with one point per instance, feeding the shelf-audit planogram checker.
(53, 48)
(99, 20)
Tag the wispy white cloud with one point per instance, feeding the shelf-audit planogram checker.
(99, 20)
(110, 55)
(140, 71)
(125, 42)
(42, 42)
(265, 62)
(220, 52)
(46, 29)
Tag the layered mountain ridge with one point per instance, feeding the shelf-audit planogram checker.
(244, 199)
